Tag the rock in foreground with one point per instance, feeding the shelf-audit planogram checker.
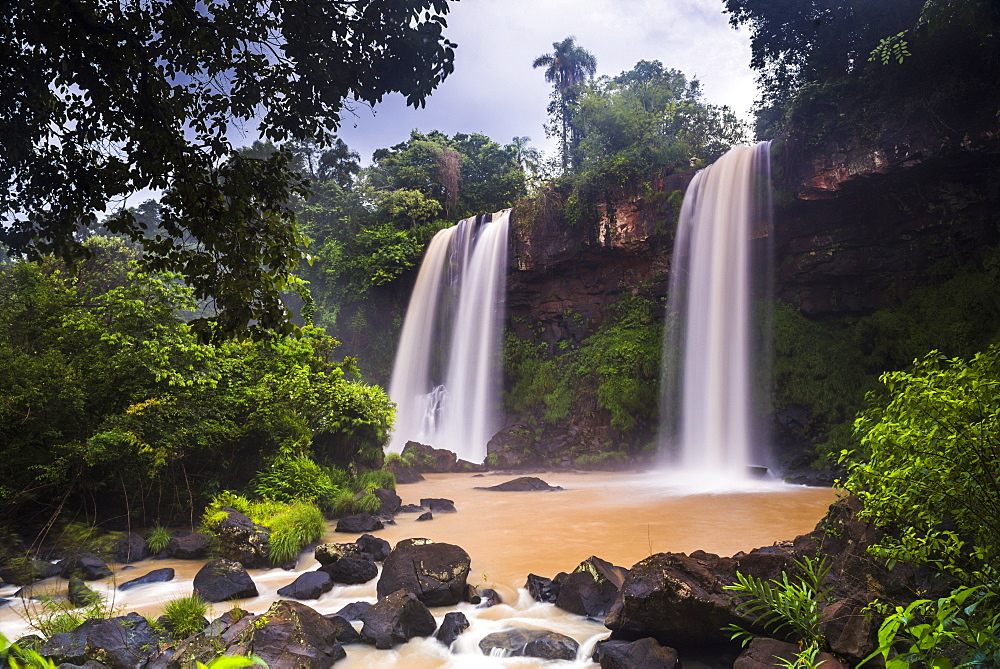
(221, 579)
(435, 573)
(395, 619)
(519, 642)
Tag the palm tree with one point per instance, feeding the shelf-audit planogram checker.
(566, 67)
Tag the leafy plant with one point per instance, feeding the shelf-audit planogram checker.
(785, 606)
(288, 478)
(185, 616)
(292, 529)
(375, 478)
(50, 615)
(158, 539)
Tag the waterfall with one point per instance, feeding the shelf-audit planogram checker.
(446, 377)
(711, 353)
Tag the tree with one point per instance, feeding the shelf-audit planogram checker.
(566, 67)
(101, 100)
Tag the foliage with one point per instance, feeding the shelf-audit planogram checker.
(158, 539)
(293, 525)
(50, 615)
(289, 478)
(785, 606)
(376, 478)
(104, 100)
(566, 68)
(929, 463)
(185, 615)
(965, 623)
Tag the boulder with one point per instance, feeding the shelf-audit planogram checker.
(429, 459)
(489, 597)
(329, 553)
(427, 515)
(411, 508)
(396, 618)
(25, 571)
(592, 588)
(289, 634)
(851, 628)
(131, 547)
(188, 546)
(403, 472)
(155, 576)
(513, 448)
(79, 594)
(359, 523)
(345, 630)
(377, 549)
(764, 653)
(354, 610)
(454, 623)
(522, 484)
(435, 573)
(221, 579)
(85, 565)
(241, 540)
(543, 589)
(438, 504)
(464, 466)
(309, 585)
(351, 570)
(521, 642)
(645, 653)
(389, 499)
(124, 642)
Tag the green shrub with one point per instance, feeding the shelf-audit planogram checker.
(51, 616)
(376, 478)
(289, 478)
(185, 616)
(158, 539)
(292, 529)
(369, 502)
(345, 502)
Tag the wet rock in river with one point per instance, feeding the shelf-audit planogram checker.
(452, 626)
(519, 642)
(241, 540)
(395, 619)
(435, 572)
(221, 579)
(438, 504)
(377, 549)
(592, 588)
(646, 653)
(131, 547)
(359, 523)
(522, 484)
(354, 610)
(390, 501)
(121, 642)
(310, 585)
(188, 546)
(427, 515)
(351, 570)
(85, 565)
(155, 576)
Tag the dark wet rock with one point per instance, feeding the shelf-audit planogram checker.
(452, 626)
(188, 546)
(472, 594)
(155, 576)
(387, 518)
(429, 459)
(354, 610)
(543, 589)
(396, 618)
(438, 504)
(242, 540)
(850, 627)
(465, 466)
(345, 630)
(389, 499)
(426, 515)
(27, 571)
(522, 484)
(359, 523)
(309, 585)
(289, 634)
(435, 572)
(411, 508)
(645, 653)
(488, 597)
(351, 570)
(329, 553)
(85, 565)
(221, 580)
(377, 549)
(131, 547)
(542, 644)
(119, 643)
(592, 588)
(79, 594)
(403, 472)
(764, 653)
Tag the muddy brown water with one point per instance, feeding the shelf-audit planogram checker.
(620, 517)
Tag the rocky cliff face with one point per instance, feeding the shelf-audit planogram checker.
(860, 224)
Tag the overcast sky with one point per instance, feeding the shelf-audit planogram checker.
(495, 91)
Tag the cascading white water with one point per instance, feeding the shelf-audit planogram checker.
(445, 379)
(709, 358)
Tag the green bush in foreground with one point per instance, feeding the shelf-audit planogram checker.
(293, 525)
(185, 616)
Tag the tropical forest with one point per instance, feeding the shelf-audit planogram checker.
(441, 333)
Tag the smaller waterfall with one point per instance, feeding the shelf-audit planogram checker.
(446, 379)
(709, 356)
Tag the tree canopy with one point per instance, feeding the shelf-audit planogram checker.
(566, 68)
(101, 100)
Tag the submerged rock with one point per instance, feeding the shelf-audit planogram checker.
(221, 579)
(522, 484)
(395, 619)
(452, 626)
(359, 523)
(519, 642)
(426, 515)
(435, 573)
(155, 576)
(438, 504)
(645, 653)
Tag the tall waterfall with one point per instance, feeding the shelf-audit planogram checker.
(712, 351)
(446, 377)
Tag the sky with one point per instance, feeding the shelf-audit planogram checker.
(495, 91)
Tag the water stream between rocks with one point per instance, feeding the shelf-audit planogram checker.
(620, 517)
